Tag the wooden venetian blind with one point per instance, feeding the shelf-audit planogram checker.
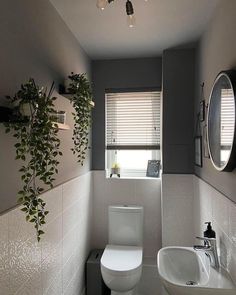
(133, 120)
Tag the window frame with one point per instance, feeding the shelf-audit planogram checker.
(153, 148)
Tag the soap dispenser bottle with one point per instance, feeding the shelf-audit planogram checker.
(209, 232)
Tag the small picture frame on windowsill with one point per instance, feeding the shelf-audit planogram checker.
(153, 168)
(198, 151)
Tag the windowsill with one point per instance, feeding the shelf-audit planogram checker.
(133, 177)
(107, 176)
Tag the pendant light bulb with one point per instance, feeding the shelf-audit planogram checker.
(101, 4)
(131, 20)
(129, 7)
(130, 14)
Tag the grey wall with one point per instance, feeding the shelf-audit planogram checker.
(178, 109)
(217, 52)
(118, 74)
(35, 42)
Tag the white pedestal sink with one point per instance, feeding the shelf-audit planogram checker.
(184, 271)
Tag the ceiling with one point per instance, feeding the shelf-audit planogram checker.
(160, 24)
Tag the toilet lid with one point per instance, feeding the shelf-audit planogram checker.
(122, 258)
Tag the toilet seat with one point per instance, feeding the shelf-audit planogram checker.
(122, 260)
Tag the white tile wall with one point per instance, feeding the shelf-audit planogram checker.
(55, 265)
(177, 210)
(188, 202)
(142, 192)
(210, 205)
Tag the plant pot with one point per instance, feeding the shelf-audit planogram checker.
(25, 110)
(115, 171)
(67, 82)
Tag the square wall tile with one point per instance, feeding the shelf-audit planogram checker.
(68, 272)
(72, 216)
(24, 262)
(120, 191)
(232, 262)
(177, 221)
(4, 258)
(232, 222)
(82, 243)
(99, 218)
(71, 192)
(99, 178)
(148, 192)
(32, 286)
(77, 283)
(203, 205)
(53, 199)
(73, 189)
(177, 185)
(19, 229)
(85, 184)
(223, 246)
(56, 287)
(52, 237)
(221, 211)
(148, 195)
(100, 226)
(51, 267)
(77, 241)
(68, 245)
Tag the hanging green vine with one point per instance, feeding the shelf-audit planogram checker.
(81, 99)
(37, 146)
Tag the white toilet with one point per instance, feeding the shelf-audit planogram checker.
(121, 262)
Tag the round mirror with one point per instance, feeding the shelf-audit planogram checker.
(221, 121)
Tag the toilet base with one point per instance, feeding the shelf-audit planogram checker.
(132, 292)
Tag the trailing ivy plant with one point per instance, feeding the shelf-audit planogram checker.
(81, 100)
(37, 146)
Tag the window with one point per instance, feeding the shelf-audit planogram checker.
(132, 131)
(227, 123)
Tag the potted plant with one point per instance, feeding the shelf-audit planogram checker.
(115, 170)
(81, 99)
(37, 146)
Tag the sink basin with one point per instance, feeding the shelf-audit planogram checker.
(184, 271)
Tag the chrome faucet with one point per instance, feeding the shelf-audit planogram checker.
(210, 250)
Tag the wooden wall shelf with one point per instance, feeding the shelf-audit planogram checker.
(62, 126)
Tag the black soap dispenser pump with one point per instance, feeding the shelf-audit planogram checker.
(209, 232)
